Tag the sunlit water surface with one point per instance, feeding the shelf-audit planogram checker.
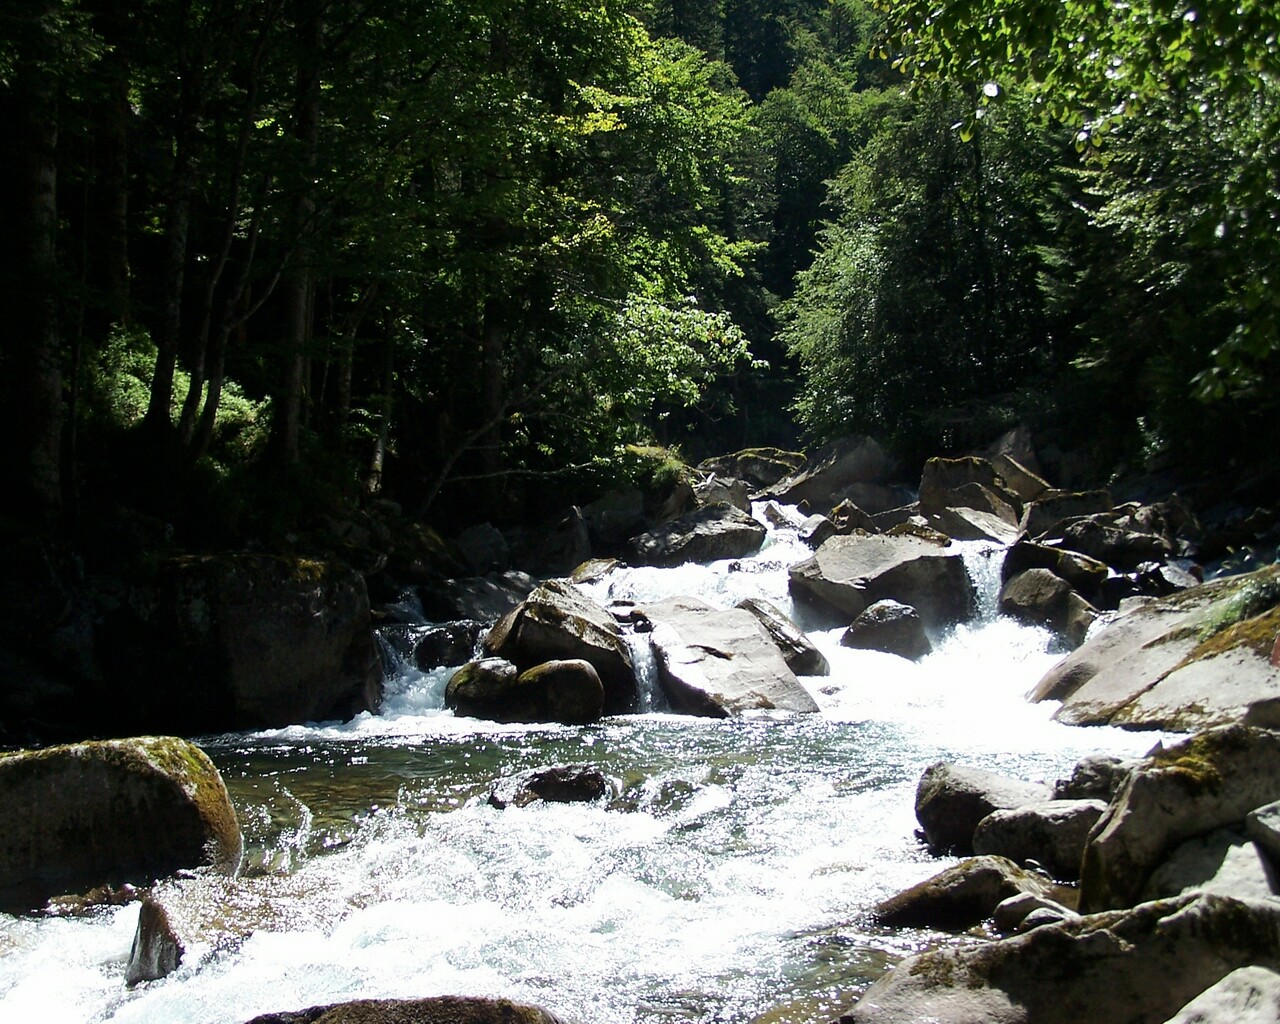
(726, 879)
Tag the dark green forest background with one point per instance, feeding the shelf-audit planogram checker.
(271, 255)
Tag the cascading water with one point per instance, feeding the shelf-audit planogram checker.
(726, 880)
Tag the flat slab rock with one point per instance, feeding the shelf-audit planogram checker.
(847, 574)
(720, 663)
(1196, 659)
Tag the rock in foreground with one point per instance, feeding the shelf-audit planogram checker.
(436, 1010)
(108, 813)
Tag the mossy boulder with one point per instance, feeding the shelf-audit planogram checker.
(434, 1010)
(1207, 782)
(1124, 967)
(1195, 659)
(108, 813)
(556, 622)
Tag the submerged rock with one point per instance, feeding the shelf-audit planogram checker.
(434, 1010)
(720, 663)
(562, 784)
(110, 812)
(847, 574)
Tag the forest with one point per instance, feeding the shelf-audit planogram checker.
(269, 256)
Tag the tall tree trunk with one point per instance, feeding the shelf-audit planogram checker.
(296, 287)
(32, 363)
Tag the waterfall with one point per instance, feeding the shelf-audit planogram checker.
(650, 695)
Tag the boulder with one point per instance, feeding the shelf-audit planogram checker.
(558, 622)
(815, 529)
(1223, 862)
(1011, 914)
(1052, 833)
(959, 897)
(967, 483)
(561, 784)
(1248, 995)
(760, 467)
(1096, 777)
(1207, 782)
(798, 651)
(1262, 825)
(483, 598)
(432, 1010)
(1043, 514)
(107, 813)
(1195, 659)
(615, 517)
(1121, 547)
(1124, 967)
(557, 548)
(1039, 597)
(720, 663)
(1027, 485)
(891, 627)
(951, 800)
(567, 691)
(704, 535)
(973, 524)
(834, 473)
(847, 574)
(723, 490)
(259, 641)
(848, 517)
(1085, 574)
(435, 646)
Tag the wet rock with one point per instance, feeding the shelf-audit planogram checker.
(973, 524)
(951, 800)
(723, 490)
(720, 663)
(1027, 485)
(704, 535)
(1039, 597)
(849, 518)
(1193, 660)
(798, 651)
(1123, 548)
(967, 483)
(814, 530)
(959, 897)
(847, 574)
(110, 812)
(567, 691)
(157, 947)
(558, 622)
(1210, 781)
(1129, 967)
(450, 643)
(593, 570)
(891, 627)
(1084, 574)
(433, 1010)
(1012, 914)
(1248, 995)
(1052, 833)
(837, 471)
(1222, 862)
(562, 784)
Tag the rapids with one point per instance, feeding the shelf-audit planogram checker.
(727, 883)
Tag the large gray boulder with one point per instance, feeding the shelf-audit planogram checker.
(891, 627)
(959, 897)
(432, 1010)
(564, 690)
(1248, 995)
(110, 812)
(798, 651)
(703, 535)
(1052, 833)
(848, 574)
(1125, 967)
(720, 663)
(558, 622)
(1207, 782)
(857, 468)
(1223, 862)
(1193, 660)
(952, 799)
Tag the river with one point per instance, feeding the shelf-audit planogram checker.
(727, 882)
